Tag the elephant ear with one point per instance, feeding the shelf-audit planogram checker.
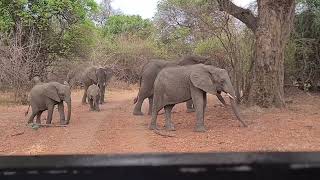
(201, 79)
(52, 92)
(92, 74)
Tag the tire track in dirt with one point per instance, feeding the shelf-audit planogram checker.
(121, 132)
(111, 130)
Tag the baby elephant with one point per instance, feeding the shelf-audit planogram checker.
(93, 95)
(44, 96)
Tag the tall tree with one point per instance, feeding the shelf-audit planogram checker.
(272, 27)
(105, 11)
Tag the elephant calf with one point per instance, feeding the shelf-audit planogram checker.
(93, 95)
(175, 85)
(44, 96)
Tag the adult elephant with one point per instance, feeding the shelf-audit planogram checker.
(44, 96)
(96, 75)
(174, 85)
(149, 73)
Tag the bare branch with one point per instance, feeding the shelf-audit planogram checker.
(244, 15)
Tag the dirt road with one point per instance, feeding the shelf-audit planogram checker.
(115, 130)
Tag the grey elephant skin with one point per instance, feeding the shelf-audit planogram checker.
(93, 94)
(149, 73)
(95, 75)
(44, 96)
(175, 85)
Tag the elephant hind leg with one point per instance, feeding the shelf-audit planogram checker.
(32, 117)
(150, 104)
(155, 110)
(169, 124)
(84, 97)
(144, 92)
(137, 108)
(38, 121)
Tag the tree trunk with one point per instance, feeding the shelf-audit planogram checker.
(273, 29)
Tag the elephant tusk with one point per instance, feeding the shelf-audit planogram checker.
(230, 96)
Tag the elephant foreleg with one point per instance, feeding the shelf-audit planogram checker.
(190, 108)
(198, 100)
(90, 100)
(169, 124)
(103, 90)
(204, 102)
(61, 112)
(84, 97)
(50, 113)
(150, 105)
(97, 104)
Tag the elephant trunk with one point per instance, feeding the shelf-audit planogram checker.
(233, 101)
(69, 111)
(236, 110)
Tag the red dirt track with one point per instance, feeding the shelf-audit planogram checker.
(115, 130)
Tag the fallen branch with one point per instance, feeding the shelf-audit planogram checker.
(17, 134)
(163, 134)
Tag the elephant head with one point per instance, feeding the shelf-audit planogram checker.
(36, 80)
(59, 92)
(212, 80)
(100, 75)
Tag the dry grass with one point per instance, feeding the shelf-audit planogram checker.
(113, 85)
(7, 99)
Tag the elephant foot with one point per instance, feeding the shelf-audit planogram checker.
(153, 126)
(83, 103)
(190, 110)
(137, 113)
(64, 122)
(98, 110)
(200, 129)
(170, 128)
(29, 122)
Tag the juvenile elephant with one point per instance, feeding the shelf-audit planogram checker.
(93, 95)
(96, 75)
(44, 96)
(174, 85)
(149, 73)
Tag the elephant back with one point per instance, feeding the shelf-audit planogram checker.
(190, 60)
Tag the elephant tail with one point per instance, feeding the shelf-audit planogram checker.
(26, 113)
